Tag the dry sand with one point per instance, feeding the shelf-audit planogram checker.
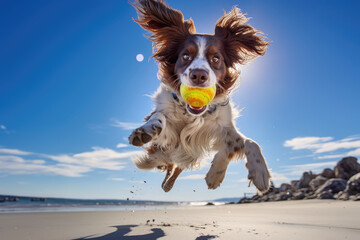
(290, 220)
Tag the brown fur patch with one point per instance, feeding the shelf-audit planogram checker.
(149, 116)
(152, 149)
(241, 43)
(169, 32)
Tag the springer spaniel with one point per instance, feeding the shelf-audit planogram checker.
(177, 136)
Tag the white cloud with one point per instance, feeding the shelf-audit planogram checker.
(117, 179)
(2, 127)
(122, 145)
(125, 125)
(18, 165)
(102, 158)
(355, 152)
(321, 145)
(74, 165)
(13, 151)
(306, 142)
(193, 177)
(337, 156)
(297, 170)
(279, 177)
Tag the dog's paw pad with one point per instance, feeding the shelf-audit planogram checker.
(145, 138)
(139, 137)
(136, 141)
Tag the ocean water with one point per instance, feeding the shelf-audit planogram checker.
(32, 205)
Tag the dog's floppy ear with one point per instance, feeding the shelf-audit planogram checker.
(168, 27)
(241, 42)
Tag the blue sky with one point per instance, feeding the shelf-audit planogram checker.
(71, 89)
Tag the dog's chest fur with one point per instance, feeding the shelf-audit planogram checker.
(188, 139)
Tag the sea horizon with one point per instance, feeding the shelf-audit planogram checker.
(32, 204)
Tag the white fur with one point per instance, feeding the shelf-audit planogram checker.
(185, 140)
(199, 62)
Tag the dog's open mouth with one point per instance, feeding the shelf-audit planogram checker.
(196, 110)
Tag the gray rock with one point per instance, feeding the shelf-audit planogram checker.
(295, 184)
(317, 182)
(325, 195)
(335, 185)
(305, 179)
(346, 168)
(353, 185)
(298, 196)
(342, 196)
(306, 190)
(286, 187)
(245, 200)
(282, 196)
(328, 173)
(355, 197)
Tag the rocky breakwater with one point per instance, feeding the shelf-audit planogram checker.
(341, 183)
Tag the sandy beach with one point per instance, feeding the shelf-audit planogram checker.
(308, 219)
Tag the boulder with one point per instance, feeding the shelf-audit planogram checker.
(346, 168)
(306, 190)
(298, 195)
(286, 187)
(325, 195)
(335, 185)
(317, 182)
(245, 200)
(295, 184)
(342, 196)
(283, 196)
(328, 173)
(355, 197)
(305, 179)
(353, 185)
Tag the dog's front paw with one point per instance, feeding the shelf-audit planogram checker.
(257, 167)
(214, 178)
(144, 134)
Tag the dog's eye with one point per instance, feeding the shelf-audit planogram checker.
(186, 57)
(215, 59)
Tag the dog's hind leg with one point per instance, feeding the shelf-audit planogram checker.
(169, 172)
(216, 174)
(256, 165)
(231, 147)
(172, 174)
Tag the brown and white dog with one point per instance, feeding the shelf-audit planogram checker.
(177, 136)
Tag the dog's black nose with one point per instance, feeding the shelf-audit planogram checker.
(199, 76)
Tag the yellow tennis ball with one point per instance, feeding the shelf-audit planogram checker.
(197, 97)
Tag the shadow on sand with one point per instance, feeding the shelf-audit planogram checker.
(206, 237)
(121, 231)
